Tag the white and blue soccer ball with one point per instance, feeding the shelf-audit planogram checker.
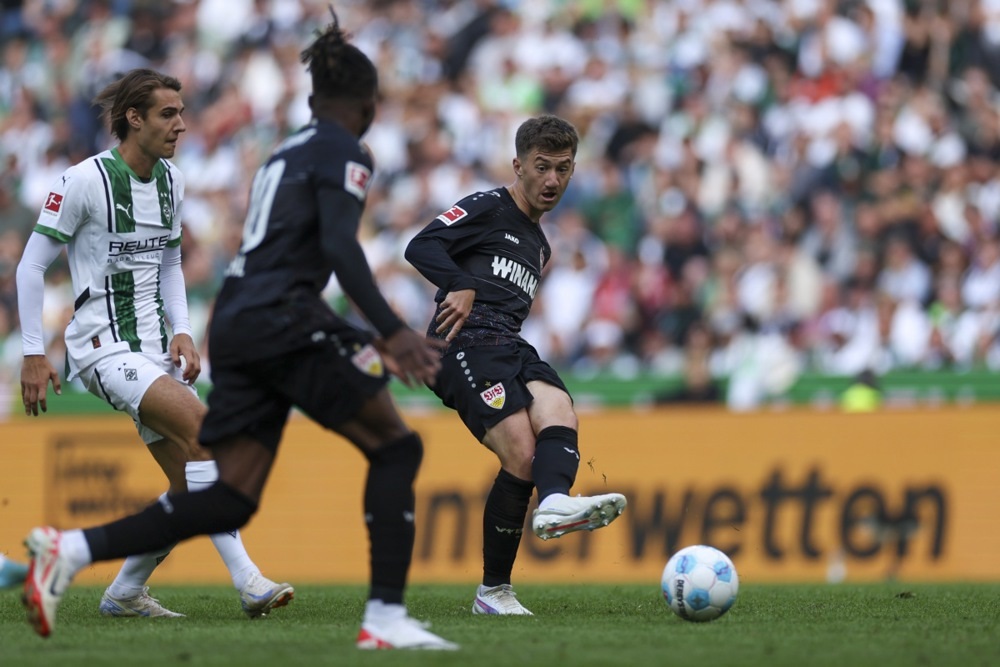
(700, 583)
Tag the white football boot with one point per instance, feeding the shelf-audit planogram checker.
(142, 604)
(498, 600)
(568, 514)
(49, 575)
(392, 628)
(260, 595)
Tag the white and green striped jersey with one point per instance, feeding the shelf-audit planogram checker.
(116, 226)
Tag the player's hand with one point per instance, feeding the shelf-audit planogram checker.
(411, 357)
(36, 372)
(183, 346)
(455, 310)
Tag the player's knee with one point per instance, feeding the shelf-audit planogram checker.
(406, 452)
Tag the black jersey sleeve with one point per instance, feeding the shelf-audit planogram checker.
(432, 251)
(340, 216)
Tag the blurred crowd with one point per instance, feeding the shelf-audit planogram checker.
(763, 187)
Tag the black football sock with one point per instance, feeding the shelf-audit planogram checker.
(503, 522)
(556, 461)
(389, 506)
(217, 509)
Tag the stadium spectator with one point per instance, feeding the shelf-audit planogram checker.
(872, 118)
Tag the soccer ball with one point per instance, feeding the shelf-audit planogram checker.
(700, 583)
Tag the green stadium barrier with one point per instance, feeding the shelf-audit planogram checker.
(899, 388)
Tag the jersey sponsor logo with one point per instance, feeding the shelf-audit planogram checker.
(452, 215)
(368, 361)
(513, 239)
(53, 203)
(515, 273)
(121, 251)
(357, 178)
(495, 396)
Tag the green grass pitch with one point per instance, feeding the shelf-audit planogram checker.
(574, 626)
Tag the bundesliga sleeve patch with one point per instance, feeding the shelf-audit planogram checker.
(452, 215)
(53, 203)
(357, 178)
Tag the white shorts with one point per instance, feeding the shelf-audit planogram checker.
(122, 380)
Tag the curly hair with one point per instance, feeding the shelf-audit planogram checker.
(338, 68)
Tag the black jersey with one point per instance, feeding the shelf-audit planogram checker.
(281, 268)
(486, 243)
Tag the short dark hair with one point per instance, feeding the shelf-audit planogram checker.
(338, 68)
(547, 133)
(134, 90)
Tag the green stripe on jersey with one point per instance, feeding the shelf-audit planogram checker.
(121, 193)
(54, 233)
(164, 343)
(123, 288)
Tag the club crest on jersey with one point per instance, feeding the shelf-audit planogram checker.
(494, 396)
(368, 361)
(357, 177)
(453, 215)
(166, 210)
(53, 203)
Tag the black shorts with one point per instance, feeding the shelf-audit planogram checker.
(329, 380)
(486, 384)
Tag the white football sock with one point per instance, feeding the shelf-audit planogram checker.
(73, 545)
(201, 475)
(135, 572)
(377, 611)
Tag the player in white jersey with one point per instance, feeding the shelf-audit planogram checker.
(118, 214)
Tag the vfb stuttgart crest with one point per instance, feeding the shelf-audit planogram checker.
(368, 361)
(494, 396)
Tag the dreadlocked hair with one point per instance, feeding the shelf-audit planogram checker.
(338, 68)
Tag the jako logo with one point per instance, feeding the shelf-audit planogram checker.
(515, 273)
(513, 239)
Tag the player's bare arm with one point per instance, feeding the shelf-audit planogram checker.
(455, 311)
(36, 373)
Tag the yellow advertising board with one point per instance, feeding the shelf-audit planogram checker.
(791, 496)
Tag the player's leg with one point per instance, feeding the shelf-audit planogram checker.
(57, 556)
(554, 468)
(227, 505)
(482, 384)
(394, 453)
(122, 380)
(513, 441)
(352, 399)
